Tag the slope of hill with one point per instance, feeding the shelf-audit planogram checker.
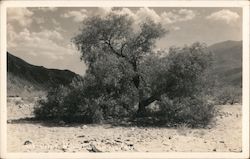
(228, 62)
(24, 78)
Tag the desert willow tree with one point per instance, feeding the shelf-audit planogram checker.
(122, 65)
(113, 39)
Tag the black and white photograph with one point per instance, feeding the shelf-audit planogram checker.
(124, 79)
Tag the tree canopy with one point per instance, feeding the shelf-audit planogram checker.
(123, 59)
(126, 74)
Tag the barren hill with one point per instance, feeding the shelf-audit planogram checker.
(25, 78)
(228, 62)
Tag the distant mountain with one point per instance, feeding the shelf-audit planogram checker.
(228, 62)
(24, 78)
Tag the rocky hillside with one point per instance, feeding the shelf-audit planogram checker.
(24, 78)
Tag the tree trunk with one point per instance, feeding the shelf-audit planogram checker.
(143, 103)
(141, 109)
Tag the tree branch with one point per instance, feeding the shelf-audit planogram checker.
(113, 50)
(151, 99)
(123, 46)
(156, 96)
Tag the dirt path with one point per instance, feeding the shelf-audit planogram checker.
(36, 137)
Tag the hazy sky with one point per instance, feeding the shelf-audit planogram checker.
(42, 36)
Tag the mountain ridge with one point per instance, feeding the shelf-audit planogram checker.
(24, 78)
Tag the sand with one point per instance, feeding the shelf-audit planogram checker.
(223, 136)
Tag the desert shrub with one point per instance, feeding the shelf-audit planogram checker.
(228, 95)
(186, 98)
(193, 111)
(51, 106)
(68, 103)
(83, 101)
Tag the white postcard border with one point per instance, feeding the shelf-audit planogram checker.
(129, 3)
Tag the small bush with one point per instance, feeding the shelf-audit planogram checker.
(76, 103)
(194, 111)
(228, 95)
(67, 103)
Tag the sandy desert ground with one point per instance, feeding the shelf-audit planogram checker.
(223, 136)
